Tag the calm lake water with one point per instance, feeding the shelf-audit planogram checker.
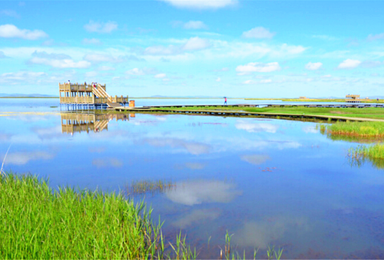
(268, 182)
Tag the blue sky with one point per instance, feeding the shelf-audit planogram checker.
(235, 48)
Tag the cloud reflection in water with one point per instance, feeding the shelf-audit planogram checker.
(256, 127)
(203, 191)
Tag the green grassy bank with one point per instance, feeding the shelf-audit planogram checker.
(374, 113)
(356, 129)
(37, 222)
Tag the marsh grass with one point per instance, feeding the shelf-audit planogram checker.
(354, 129)
(361, 153)
(38, 222)
(144, 186)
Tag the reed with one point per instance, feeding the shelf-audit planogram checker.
(38, 222)
(364, 129)
(374, 153)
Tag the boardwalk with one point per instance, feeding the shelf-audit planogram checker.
(204, 111)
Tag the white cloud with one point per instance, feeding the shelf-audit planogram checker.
(106, 68)
(265, 81)
(20, 76)
(218, 79)
(192, 44)
(92, 41)
(135, 72)
(258, 33)
(9, 13)
(349, 64)
(99, 57)
(2, 55)
(61, 64)
(257, 67)
(160, 75)
(11, 31)
(313, 66)
(374, 37)
(162, 50)
(196, 43)
(57, 60)
(248, 82)
(107, 27)
(195, 25)
(201, 4)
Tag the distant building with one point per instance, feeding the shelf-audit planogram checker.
(304, 98)
(352, 98)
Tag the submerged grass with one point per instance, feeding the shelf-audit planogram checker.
(38, 222)
(144, 186)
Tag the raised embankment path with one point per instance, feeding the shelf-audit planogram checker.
(173, 109)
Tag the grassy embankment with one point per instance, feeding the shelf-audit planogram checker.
(315, 100)
(38, 222)
(374, 113)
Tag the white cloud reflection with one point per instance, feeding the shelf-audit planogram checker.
(198, 215)
(194, 148)
(261, 234)
(256, 127)
(21, 158)
(203, 191)
(255, 159)
(107, 162)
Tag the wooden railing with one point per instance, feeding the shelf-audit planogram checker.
(74, 87)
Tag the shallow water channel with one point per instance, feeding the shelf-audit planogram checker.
(268, 182)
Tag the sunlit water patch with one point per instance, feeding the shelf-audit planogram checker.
(268, 182)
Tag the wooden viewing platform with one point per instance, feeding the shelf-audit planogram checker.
(352, 98)
(88, 96)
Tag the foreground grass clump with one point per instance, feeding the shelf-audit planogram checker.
(374, 153)
(363, 129)
(37, 222)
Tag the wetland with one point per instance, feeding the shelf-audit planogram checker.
(261, 182)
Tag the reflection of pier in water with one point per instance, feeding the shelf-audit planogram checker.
(82, 122)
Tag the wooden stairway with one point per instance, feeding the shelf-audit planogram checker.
(101, 93)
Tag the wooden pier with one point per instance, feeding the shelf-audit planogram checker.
(88, 96)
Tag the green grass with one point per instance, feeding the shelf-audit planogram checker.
(37, 222)
(374, 153)
(376, 113)
(357, 129)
